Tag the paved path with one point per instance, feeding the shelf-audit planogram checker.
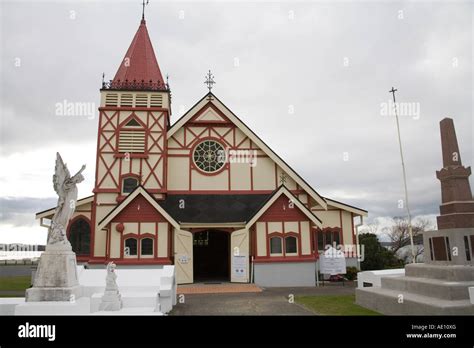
(271, 301)
(217, 288)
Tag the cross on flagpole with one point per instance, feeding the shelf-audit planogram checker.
(410, 229)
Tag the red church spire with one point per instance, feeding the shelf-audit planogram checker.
(139, 68)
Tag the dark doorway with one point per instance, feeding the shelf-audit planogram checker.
(211, 256)
(80, 236)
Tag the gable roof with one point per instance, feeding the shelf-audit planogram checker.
(140, 190)
(50, 211)
(249, 133)
(346, 207)
(282, 190)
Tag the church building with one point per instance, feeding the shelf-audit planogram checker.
(205, 193)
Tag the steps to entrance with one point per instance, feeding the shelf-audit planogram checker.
(394, 302)
(447, 290)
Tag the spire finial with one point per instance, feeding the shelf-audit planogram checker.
(143, 9)
(209, 81)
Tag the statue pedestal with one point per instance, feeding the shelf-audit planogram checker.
(111, 301)
(56, 276)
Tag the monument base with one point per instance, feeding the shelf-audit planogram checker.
(79, 307)
(426, 289)
(68, 294)
(111, 301)
(56, 277)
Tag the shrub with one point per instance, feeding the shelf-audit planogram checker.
(351, 273)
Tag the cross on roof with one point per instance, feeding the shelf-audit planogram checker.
(144, 2)
(282, 178)
(209, 81)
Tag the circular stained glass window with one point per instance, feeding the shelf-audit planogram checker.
(209, 156)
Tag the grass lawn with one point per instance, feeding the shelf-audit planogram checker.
(334, 305)
(15, 283)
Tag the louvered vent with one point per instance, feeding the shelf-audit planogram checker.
(141, 100)
(132, 140)
(111, 99)
(156, 100)
(126, 100)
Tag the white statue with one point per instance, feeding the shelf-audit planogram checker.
(65, 187)
(112, 300)
(111, 279)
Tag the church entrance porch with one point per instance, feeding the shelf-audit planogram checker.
(211, 250)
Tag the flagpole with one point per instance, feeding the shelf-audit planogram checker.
(410, 229)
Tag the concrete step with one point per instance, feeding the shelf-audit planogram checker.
(446, 290)
(458, 273)
(387, 301)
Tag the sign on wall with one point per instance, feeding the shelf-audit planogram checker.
(239, 266)
(332, 261)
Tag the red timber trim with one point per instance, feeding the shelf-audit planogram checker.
(204, 108)
(82, 258)
(226, 230)
(170, 243)
(312, 209)
(253, 241)
(354, 241)
(93, 219)
(222, 192)
(305, 258)
(341, 237)
(276, 175)
(314, 249)
(131, 261)
(107, 241)
(128, 108)
(155, 241)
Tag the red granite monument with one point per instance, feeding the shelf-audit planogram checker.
(457, 207)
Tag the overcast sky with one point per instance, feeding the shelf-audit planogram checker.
(310, 78)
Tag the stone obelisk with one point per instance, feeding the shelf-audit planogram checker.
(457, 204)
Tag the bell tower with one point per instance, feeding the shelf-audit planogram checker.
(134, 116)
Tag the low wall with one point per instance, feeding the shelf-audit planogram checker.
(277, 274)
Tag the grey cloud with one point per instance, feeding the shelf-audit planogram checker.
(282, 62)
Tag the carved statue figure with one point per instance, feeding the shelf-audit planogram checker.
(65, 187)
(111, 279)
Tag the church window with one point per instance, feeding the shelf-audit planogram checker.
(275, 245)
(147, 246)
(291, 245)
(328, 237)
(130, 247)
(132, 138)
(129, 184)
(209, 156)
(80, 236)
